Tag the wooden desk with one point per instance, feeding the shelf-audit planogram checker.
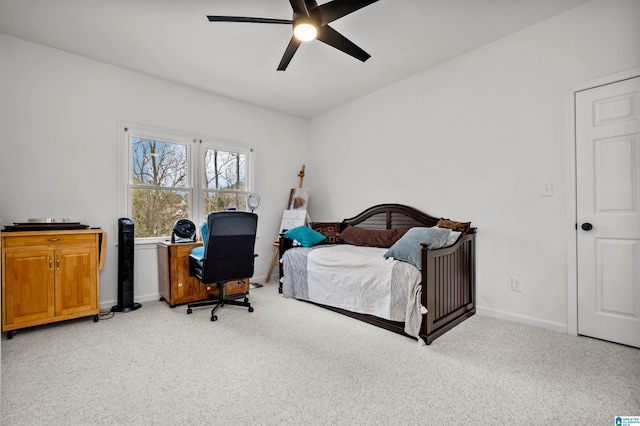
(175, 284)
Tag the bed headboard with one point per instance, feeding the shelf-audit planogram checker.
(390, 216)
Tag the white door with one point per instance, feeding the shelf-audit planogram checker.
(608, 211)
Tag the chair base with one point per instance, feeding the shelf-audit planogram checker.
(219, 302)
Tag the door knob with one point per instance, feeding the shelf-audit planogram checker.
(587, 226)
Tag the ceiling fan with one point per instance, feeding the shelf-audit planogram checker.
(310, 21)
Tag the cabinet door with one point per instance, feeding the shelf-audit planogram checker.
(29, 286)
(187, 289)
(236, 287)
(76, 279)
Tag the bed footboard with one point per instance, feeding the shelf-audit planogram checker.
(448, 287)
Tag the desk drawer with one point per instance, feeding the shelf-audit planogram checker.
(47, 240)
(184, 249)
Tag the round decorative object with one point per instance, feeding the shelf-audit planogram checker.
(253, 201)
(184, 228)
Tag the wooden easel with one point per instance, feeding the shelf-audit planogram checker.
(276, 244)
(301, 176)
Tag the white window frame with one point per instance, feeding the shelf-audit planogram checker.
(196, 146)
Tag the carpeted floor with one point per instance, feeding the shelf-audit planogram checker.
(294, 363)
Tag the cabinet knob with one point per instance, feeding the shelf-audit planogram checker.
(587, 226)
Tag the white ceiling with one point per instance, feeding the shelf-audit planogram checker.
(172, 39)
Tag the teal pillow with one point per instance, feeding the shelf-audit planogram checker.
(306, 236)
(408, 247)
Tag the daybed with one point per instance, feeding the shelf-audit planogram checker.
(423, 304)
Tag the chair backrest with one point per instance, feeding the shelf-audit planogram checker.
(229, 248)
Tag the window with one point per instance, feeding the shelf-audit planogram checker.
(225, 177)
(171, 176)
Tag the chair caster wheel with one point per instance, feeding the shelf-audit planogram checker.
(246, 300)
(214, 318)
(250, 309)
(189, 311)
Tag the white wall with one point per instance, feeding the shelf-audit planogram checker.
(59, 152)
(476, 139)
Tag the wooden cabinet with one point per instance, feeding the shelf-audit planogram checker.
(176, 286)
(50, 276)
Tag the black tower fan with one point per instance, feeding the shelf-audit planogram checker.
(125, 267)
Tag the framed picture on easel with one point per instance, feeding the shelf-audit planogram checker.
(296, 213)
(292, 219)
(298, 199)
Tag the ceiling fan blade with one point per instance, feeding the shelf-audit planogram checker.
(288, 54)
(299, 7)
(248, 19)
(328, 35)
(336, 9)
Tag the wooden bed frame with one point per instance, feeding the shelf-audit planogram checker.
(448, 274)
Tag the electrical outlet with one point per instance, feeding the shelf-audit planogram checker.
(516, 284)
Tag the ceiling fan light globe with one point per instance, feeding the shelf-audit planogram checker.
(305, 31)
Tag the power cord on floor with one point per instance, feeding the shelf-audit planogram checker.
(105, 315)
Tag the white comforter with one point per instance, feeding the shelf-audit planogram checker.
(351, 277)
(357, 279)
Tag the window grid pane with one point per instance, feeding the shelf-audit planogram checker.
(159, 163)
(155, 211)
(217, 201)
(224, 170)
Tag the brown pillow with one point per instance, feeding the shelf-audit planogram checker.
(456, 226)
(383, 238)
(331, 230)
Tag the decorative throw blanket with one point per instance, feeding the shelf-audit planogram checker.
(357, 279)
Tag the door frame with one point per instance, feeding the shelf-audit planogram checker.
(571, 190)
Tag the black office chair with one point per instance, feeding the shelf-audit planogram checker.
(228, 256)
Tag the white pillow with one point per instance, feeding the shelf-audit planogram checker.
(452, 238)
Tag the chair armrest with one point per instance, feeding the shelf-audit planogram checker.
(196, 267)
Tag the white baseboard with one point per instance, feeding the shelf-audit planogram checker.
(138, 299)
(536, 322)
